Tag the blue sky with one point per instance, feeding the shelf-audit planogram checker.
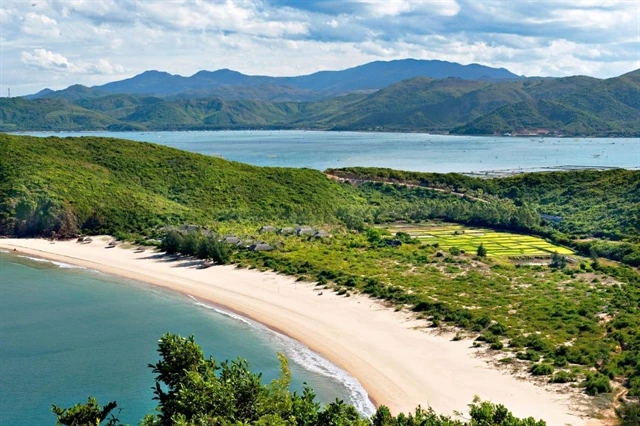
(52, 43)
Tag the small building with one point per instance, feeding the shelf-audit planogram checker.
(190, 228)
(287, 231)
(305, 230)
(551, 218)
(321, 234)
(267, 228)
(232, 240)
(261, 247)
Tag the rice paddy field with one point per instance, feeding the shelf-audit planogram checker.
(497, 243)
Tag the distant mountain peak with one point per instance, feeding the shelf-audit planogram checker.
(40, 94)
(152, 73)
(371, 76)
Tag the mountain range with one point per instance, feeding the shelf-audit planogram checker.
(232, 85)
(407, 95)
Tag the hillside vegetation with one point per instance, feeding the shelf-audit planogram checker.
(111, 185)
(562, 106)
(596, 212)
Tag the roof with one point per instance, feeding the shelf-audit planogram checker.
(261, 247)
(287, 230)
(305, 230)
(268, 228)
(232, 240)
(551, 218)
(321, 234)
(190, 228)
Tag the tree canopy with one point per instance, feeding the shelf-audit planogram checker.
(193, 390)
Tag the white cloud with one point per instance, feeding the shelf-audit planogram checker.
(398, 7)
(92, 41)
(102, 67)
(46, 60)
(39, 25)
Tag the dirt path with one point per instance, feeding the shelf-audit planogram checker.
(355, 181)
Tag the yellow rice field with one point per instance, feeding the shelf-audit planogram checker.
(497, 243)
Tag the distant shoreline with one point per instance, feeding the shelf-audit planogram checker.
(400, 132)
(399, 366)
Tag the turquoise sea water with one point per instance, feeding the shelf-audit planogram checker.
(68, 333)
(403, 151)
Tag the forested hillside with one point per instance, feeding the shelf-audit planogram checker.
(111, 185)
(169, 183)
(562, 106)
(585, 205)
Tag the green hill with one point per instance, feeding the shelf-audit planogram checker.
(576, 106)
(572, 106)
(107, 185)
(49, 114)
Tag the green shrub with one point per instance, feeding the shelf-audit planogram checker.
(563, 377)
(529, 355)
(597, 383)
(629, 414)
(497, 346)
(497, 329)
(541, 369)
(560, 362)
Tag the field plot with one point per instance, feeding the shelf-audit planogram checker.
(465, 238)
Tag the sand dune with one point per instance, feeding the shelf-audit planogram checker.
(399, 365)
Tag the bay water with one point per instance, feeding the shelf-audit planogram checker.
(67, 333)
(403, 151)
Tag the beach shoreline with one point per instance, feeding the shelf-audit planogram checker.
(398, 364)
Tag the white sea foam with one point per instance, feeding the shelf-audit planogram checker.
(308, 359)
(58, 264)
(4, 251)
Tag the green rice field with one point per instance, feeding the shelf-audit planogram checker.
(466, 238)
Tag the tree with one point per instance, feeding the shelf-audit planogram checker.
(89, 414)
(593, 254)
(192, 390)
(171, 242)
(629, 414)
(558, 261)
(482, 252)
(189, 245)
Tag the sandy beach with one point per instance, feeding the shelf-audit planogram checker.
(399, 366)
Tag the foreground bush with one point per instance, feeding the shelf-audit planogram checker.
(192, 390)
(597, 383)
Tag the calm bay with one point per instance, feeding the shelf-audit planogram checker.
(402, 151)
(69, 333)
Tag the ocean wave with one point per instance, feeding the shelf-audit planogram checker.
(308, 359)
(53, 262)
(4, 251)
